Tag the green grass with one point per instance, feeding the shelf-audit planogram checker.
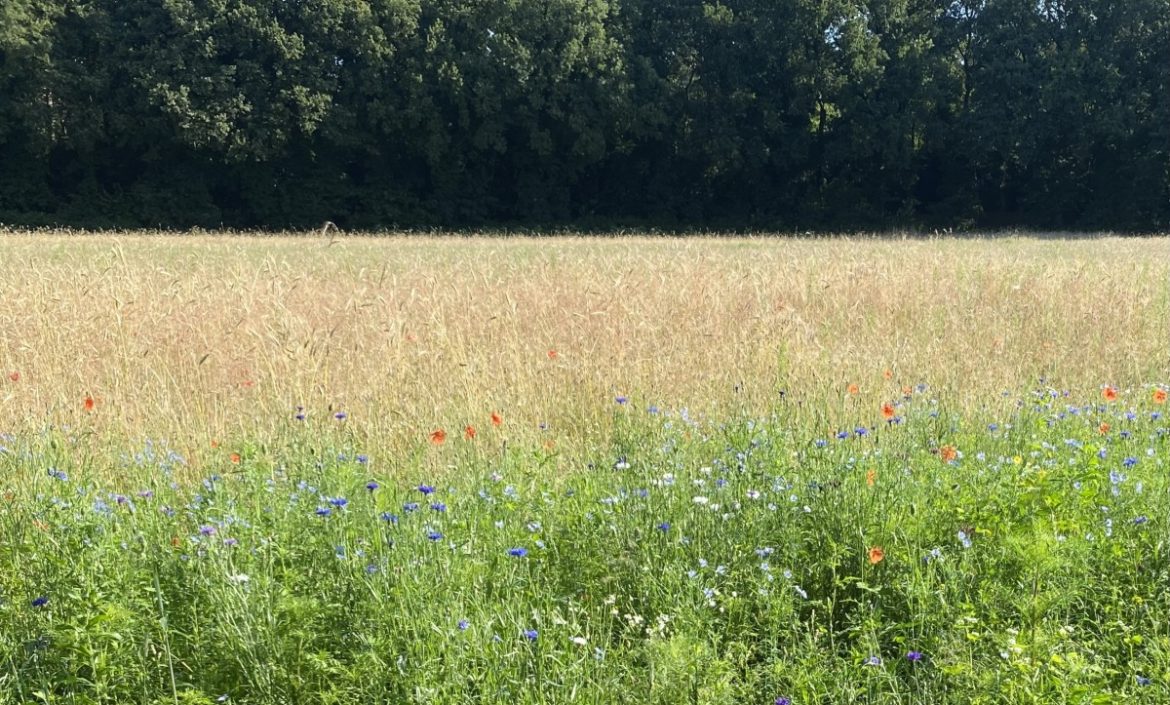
(170, 583)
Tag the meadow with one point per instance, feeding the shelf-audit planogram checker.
(293, 469)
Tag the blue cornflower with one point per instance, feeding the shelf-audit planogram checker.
(842, 435)
(434, 535)
(438, 507)
(1143, 681)
(622, 399)
(389, 518)
(860, 431)
(230, 542)
(664, 526)
(371, 485)
(324, 511)
(207, 530)
(1138, 521)
(300, 416)
(914, 656)
(1129, 462)
(463, 625)
(41, 601)
(410, 507)
(341, 416)
(371, 569)
(426, 489)
(782, 701)
(873, 660)
(339, 502)
(146, 494)
(518, 552)
(530, 634)
(652, 409)
(58, 474)
(820, 443)
(362, 459)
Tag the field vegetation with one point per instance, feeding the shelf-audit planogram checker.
(294, 469)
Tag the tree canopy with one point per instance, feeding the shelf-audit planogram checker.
(674, 113)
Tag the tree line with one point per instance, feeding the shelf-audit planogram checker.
(671, 113)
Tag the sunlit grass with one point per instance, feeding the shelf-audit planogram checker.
(454, 470)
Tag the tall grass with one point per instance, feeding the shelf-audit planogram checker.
(201, 337)
(754, 471)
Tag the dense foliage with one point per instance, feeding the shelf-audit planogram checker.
(916, 557)
(790, 113)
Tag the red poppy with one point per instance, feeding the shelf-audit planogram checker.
(888, 374)
(552, 354)
(497, 419)
(14, 376)
(89, 403)
(853, 389)
(1109, 393)
(1159, 396)
(871, 477)
(438, 436)
(468, 433)
(887, 411)
(1103, 428)
(235, 458)
(948, 453)
(876, 555)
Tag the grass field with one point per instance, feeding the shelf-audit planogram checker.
(635, 470)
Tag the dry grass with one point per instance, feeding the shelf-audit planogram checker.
(201, 337)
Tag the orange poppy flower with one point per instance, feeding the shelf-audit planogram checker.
(14, 376)
(907, 391)
(214, 443)
(1109, 393)
(89, 403)
(853, 389)
(497, 419)
(888, 374)
(9, 496)
(871, 477)
(438, 436)
(948, 453)
(248, 384)
(1103, 428)
(235, 458)
(887, 411)
(469, 432)
(176, 541)
(876, 555)
(1159, 396)
(552, 354)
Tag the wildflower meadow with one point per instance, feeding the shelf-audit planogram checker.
(349, 484)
